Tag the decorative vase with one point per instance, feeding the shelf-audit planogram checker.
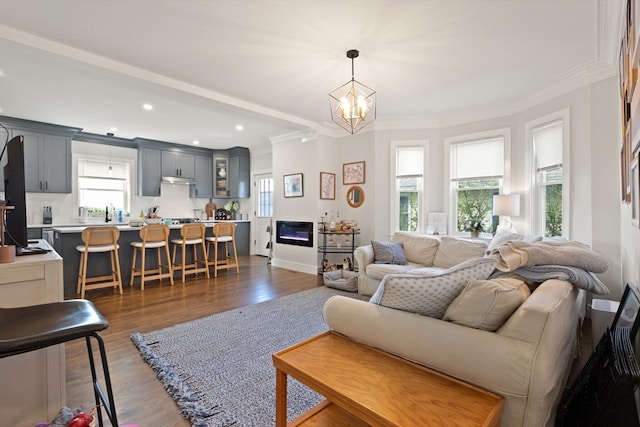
(475, 234)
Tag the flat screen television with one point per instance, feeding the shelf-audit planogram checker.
(14, 194)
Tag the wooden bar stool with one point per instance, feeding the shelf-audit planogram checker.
(192, 235)
(225, 234)
(154, 236)
(99, 240)
(35, 327)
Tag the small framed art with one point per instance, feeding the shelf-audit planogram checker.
(327, 186)
(353, 173)
(293, 185)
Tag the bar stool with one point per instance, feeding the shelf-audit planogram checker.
(99, 240)
(30, 328)
(154, 236)
(225, 234)
(192, 235)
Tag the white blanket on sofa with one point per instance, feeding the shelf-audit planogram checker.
(514, 254)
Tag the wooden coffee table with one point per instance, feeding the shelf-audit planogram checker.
(368, 387)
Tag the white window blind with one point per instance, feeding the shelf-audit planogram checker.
(102, 184)
(483, 159)
(547, 142)
(409, 161)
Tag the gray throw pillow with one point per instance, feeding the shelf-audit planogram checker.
(388, 253)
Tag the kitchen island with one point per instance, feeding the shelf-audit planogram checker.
(65, 240)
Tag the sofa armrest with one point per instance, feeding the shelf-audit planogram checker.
(363, 256)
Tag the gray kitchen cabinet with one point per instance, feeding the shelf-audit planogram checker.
(149, 171)
(220, 177)
(178, 164)
(203, 187)
(239, 176)
(47, 162)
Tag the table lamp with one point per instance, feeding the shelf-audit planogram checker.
(506, 206)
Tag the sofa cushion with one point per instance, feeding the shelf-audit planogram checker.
(430, 295)
(487, 304)
(418, 248)
(453, 251)
(388, 253)
(378, 271)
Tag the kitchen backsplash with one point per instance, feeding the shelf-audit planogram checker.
(174, 203)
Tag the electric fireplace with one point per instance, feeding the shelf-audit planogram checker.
(294, 233)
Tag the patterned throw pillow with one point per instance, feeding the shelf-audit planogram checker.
(388, 253)
(430, 295)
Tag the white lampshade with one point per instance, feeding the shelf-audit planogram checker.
(506, 204)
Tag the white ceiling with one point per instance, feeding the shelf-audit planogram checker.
(206, 66)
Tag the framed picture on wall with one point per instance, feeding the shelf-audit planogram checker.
(327, 186)
(293, 185)
(353, 173)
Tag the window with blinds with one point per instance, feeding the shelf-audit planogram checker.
(409, 187)
(102, 184)
(476, 173)
(548, 160)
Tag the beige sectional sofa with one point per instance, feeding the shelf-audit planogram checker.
(425, 254)
(466, 308)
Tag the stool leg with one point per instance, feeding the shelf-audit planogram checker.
(215, 259)
(206, 261)
(80, 272)
(143, 267)
(108, 405)
(235, 256)
(84, 273)
(184, 261)
(169, 264)
(117, 257)
(133, 265)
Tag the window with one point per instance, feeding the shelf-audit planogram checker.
(477, 172)
(102, 184)
(407, 193)
(265, 197)
(549, 189)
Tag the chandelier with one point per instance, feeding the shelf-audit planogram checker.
(353, 105)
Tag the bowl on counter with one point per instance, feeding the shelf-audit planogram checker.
(156, 220)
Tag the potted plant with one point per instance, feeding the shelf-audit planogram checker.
(231, 207)
(474, 225)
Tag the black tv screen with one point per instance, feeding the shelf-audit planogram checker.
(14, 194)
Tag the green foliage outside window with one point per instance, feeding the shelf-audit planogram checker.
(475, 203)
(408, 211)
(553, 210)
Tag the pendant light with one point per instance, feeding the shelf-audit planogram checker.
(353, 105)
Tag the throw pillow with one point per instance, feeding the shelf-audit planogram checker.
(388, 253)
(419, 249)
(487, 304)
(453, 251)
(430, 295)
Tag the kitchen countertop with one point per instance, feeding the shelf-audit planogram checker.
(77, 228)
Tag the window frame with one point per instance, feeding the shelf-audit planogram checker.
(536, 215)
(394, 216)
(128, 180)
(450, 190)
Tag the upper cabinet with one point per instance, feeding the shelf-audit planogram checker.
(203, 188)
(149, 171)
(178, 164)
(47, 155)
(232, 172)
(239, 173)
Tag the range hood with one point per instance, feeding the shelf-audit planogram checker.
(178, 180)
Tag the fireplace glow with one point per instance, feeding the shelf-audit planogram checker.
(294, 233)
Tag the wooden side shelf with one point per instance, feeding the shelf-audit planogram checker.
(368, 387)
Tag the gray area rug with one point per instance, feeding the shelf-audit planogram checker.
(219, 368)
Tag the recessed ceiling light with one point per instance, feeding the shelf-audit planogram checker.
(196, 142)
(239, 127)
(113, 129)
(147, 107)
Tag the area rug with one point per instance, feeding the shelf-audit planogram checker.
(219, 368)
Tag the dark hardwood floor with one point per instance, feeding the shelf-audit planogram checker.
(140, 397)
